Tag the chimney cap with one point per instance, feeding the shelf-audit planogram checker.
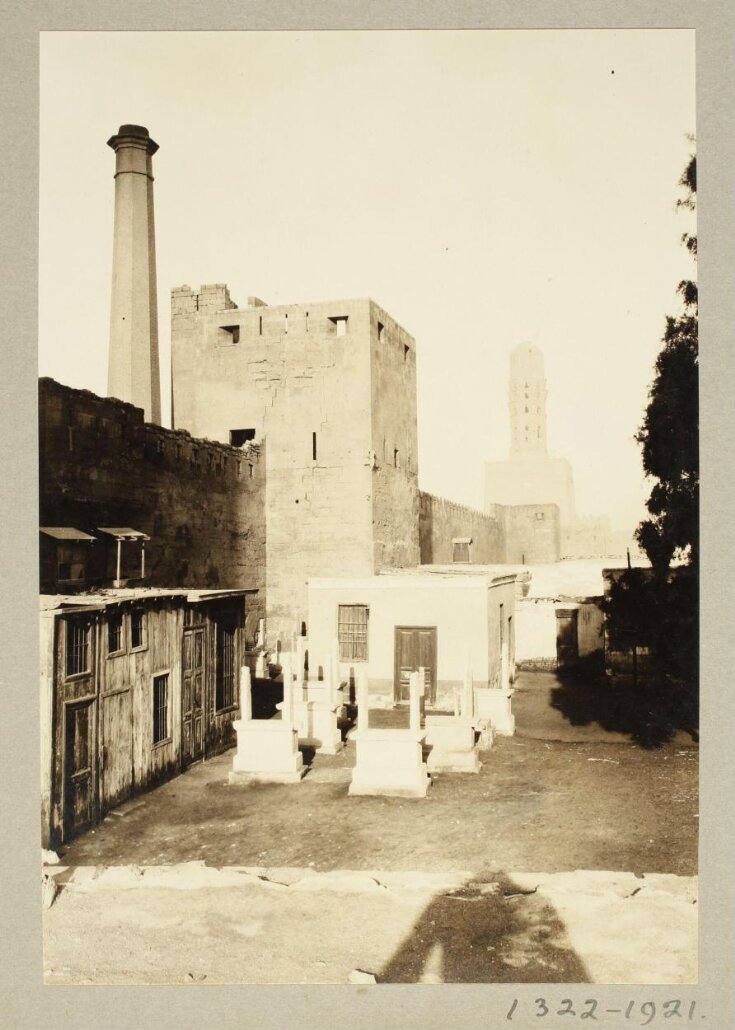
(133, 132)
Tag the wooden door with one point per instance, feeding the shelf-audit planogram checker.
(78, 770)
(117, 748)
(567, 641)
(414, 648)
(192, 696)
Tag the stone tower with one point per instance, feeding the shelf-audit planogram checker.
(527, 402)
(133, 370)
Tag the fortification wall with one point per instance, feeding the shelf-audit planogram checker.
(395, 490)
(202, 503)
(440, 521)
(298, 375)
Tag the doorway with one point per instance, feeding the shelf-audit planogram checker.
(117, 748)
(192, 697)
(78, 772)
(414, 648)
(567, 640)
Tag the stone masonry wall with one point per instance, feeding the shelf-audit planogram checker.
(394, 443)
(440, 521)
(299, 375)
(202, 503)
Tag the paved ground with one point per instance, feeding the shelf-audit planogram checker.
(598, 807)
(199, 925)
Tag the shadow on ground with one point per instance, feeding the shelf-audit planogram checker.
(650, 712)
(486, 932)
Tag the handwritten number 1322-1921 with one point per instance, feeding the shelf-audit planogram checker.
(590, 1009)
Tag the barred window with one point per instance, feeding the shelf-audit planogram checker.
(115, 633)
(225, 666)
(352, 632)
(160, 708)
(77, 647)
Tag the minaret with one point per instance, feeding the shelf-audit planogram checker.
(133, 371)
(527, 402)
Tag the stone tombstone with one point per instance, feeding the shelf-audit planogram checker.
(362, 693)
(246, 698)
(287, 672)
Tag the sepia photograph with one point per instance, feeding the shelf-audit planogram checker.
(368, 428)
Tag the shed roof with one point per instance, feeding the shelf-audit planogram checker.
(65, 533)
(123, 533)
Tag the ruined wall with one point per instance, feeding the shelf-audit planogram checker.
(440, 521)
(203, 504)
(394, 443)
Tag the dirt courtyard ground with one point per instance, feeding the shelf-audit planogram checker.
(598, 807)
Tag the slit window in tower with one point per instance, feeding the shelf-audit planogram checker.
(396, 458)
(285, 323)
(260, 325)
(381, 332)
(406, 349)
(306, 322)
(313, 446)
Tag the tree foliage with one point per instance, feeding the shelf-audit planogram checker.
(669, 435)
(659, 608)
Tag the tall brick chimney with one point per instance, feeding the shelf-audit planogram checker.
(133, 370)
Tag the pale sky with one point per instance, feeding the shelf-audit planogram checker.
(484, 187)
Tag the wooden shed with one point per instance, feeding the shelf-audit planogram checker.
(135, 686)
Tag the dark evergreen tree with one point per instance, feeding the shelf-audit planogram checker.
(669, 436)
(660, 611)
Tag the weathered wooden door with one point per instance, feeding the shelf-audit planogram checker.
(414, 648)
(117, 748)
(192, 696)
(567, 641)
(78, 771)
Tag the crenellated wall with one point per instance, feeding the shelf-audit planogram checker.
(441, 521)
(201, 502)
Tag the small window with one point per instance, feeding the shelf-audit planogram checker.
(77, 647)
(160, 709)
(381, 332)
(396, 458)
(285, 323)
(115, 633)
(225, 692)
(352, 632)
(250, 471)
(137, 628)
(238, 437)
(232, 333)
(260, 325)
(313, 446)
(340, 324)
(540, 515)
(306, 322)
(461, 550)
(406, 349)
